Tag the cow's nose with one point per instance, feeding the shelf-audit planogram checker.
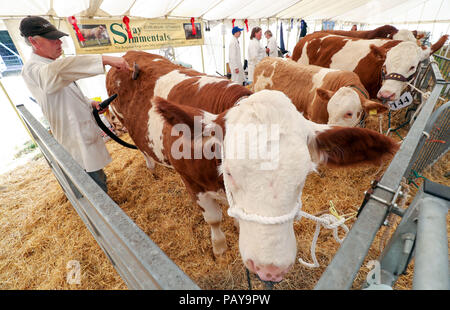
(268, 272)
(386, 95)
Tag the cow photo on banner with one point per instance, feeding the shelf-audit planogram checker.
(115, 36)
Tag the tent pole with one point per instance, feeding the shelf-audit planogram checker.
(289, 32)
(203, 59)
(223, 45)
(243, 45)
(201, 46)
(276, 34)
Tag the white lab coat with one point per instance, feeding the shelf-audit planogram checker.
(68, 111)
(272, 46)
(235, 62)
(255, 54)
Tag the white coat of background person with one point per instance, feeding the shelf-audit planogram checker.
(255, 52)
(234, 57)
(271, 49)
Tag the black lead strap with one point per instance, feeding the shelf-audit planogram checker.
(268, 284)
(104, 105)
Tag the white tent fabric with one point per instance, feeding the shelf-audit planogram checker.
(357, 11)
(425, 15)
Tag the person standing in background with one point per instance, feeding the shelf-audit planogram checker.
(271, 49)
(255, 52)
(354, 28)
(303, 28)
(234, 57)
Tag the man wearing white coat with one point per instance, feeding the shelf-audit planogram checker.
(52, 83)
(255, 51)
(234, 57)
(271, 49)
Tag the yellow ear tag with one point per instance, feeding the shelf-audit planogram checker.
(373, 112)
(99, 99)
(333, 211)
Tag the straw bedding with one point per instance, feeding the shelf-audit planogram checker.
(40, 231)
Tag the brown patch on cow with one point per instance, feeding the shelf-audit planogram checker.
(368, 68)
(318, 113)
(315, 41)
(223, 94)
(199, 175)
(295, 81)
(436, 46)
(134, 96)
(383, 32)
(298, 49)
(174, 115)
(345, 146)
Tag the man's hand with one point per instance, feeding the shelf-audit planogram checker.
(267, 50)
(96, 105)
(117, 62)
(236, 70)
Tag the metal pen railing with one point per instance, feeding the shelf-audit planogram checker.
(137, 259)
(342, 270)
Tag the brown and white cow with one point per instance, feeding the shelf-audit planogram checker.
(115, 123)
(261, 183)
(367, 58)
(160, 77)
(323, 95)
(386, 31)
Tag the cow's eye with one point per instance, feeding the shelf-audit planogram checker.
(412, 68)
(348, 114)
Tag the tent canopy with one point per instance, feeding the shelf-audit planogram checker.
(360, 11)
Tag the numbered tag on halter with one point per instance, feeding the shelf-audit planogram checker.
(404, 101)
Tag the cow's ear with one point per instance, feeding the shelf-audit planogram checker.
(378, 52)
(324, 93)
(370, 105)
(436, 46)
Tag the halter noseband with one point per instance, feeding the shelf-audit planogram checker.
(396, 76)
(267, 220)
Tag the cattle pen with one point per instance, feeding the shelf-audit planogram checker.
(143, 265)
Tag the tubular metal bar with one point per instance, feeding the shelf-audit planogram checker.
(398, 251)
(342, 270)
(137, 259)
(431, 270)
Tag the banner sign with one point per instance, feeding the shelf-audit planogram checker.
(111, 36)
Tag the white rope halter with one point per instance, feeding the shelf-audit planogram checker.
(328, 221)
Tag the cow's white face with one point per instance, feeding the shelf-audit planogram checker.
(404, 35)
(401, 59)
(263, 189)
(344, 108)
